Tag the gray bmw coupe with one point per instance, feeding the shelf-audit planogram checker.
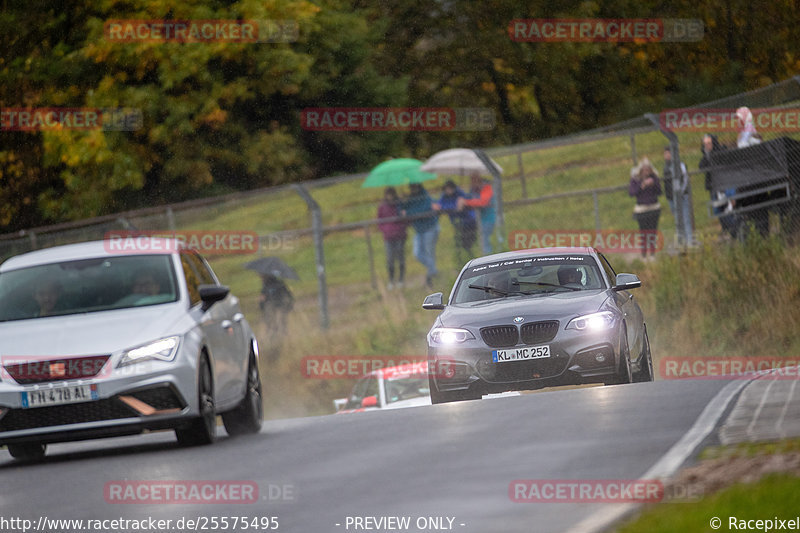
(536, 318)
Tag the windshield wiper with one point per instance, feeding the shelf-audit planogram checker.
(490, 289)
(504, 293)
(547, 285)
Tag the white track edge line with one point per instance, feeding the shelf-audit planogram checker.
(670, 461)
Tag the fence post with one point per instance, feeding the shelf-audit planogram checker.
(633, 150)
(596, 203)
(32, 237)
(170, 219)
(371, 257)
(319, 251)
(522, 175)
(679, 199)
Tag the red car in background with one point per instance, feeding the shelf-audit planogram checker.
(393, 387)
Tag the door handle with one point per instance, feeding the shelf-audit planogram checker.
(238, 317)
(226, 324)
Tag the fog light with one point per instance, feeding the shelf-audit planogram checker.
(600, 357)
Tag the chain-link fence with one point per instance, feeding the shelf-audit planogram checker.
(749, 157)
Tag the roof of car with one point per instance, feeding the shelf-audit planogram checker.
(88, 250)
(503, 256)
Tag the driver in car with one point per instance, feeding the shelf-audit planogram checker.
(570, 277)
(145, 284)
(47, 295)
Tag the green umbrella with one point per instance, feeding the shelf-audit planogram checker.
(397, 172)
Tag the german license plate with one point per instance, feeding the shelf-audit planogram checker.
(521, 354)
(59, 395)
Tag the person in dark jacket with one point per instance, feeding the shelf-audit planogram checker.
(464, 222)
(426, 229)
(709, 145)
(645, 186)
(394, 236)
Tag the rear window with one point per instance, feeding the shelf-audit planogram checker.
(87, 285)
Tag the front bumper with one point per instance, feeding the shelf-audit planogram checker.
(144, 396)
(575, 358)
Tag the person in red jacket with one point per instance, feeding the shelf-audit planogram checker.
(482, 198)
(394, 236)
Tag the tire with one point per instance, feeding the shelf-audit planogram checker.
(623, 374)
(645, 372)
(29, 451)
(450, 396)
(246, 417)
(203, 429)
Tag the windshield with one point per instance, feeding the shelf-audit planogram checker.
(86, 285)
(528, 276)
(405, 388)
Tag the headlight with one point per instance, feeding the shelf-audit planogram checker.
(162, 350)
(450, 335)
(595, 322)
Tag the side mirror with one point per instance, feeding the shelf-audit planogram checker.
(339, 403)
(433, 301)
(625, 282)
(210, 294)
(369, 401)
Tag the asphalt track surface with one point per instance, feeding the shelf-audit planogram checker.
(451, 460)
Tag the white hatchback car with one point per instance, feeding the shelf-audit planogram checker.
(97, 343)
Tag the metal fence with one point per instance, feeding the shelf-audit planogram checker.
(544, 187)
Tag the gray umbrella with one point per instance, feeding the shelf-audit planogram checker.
(274, 266)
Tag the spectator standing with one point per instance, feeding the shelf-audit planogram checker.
(646, 187)
(394, 236)
(426, 229)
(677, 190)
(482, 198)
(748, 135)
(464, 223)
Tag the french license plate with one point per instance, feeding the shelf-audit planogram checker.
(521, 354)
(59, 395)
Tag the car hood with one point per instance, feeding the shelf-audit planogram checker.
(97, 333)
(564, 305)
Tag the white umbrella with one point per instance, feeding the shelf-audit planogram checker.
(458, 161)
